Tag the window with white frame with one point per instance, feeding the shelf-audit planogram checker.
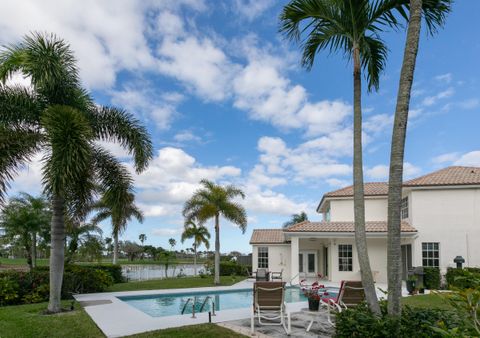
(263, 257)
(345, 258)
(404, 209)
(431, 254)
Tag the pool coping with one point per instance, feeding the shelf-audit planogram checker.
(116, 318)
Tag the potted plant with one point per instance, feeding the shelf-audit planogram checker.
(411, 284)
(313, 297)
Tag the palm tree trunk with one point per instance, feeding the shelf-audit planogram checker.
(394, 263)
(34, 249)
(358, 189)
(194, 259)
(115, 248)
(57, 254)
(28, 249)
(217, 250)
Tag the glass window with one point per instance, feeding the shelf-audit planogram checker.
(431, 254)
(345, 258)
(404, 209)
(311, 262)
(300, 262)
(263, 257)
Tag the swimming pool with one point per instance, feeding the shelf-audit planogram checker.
(172, 304)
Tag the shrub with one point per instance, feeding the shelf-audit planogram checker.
(8, 291)
(462, 278)
(227, 268)
(18, 287)
(415, 322)
(432, 278)
(114, 270)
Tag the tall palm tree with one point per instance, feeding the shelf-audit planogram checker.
(434, 12)
(296, 218)
(352, 28)
(120, 211)
(57, 117)
(200, 235)
(172, 242)
(213, 201)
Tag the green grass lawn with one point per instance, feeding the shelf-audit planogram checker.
(25, 321)
(174, 283)
(426, 301)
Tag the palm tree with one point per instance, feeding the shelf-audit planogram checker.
(213, 201)
(296, 218)
(434, 12)
(120, 211)
(172, 242)
(142, 238)
(352, 28)
(200, 235)
(57, 117)
(77, 234)
(25, 217)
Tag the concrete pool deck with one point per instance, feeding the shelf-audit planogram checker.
(116, 318)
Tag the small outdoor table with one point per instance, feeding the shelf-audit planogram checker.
(317, 316)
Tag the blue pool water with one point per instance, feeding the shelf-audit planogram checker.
(172, 304)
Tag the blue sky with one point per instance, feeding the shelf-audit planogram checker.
(225, 98)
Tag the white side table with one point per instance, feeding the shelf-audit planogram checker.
(320, 316)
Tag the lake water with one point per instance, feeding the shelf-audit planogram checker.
(145, 272)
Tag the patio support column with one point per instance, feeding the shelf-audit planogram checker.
(294, 248)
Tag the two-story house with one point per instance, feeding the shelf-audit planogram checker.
(440, 220)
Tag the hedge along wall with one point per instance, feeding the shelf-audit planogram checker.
(466, 281)
(17, 287)
(431, 278)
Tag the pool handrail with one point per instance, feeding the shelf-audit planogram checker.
(186, 303)
(213, 305)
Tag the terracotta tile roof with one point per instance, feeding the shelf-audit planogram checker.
(371, 189)
(267, 236)
(343, 227)
(447, 176)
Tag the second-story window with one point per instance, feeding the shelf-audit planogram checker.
(404, 210)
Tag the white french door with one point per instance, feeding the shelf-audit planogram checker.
(307, 263)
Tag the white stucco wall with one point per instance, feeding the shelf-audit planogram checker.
(377, 252)
(278, 258)
(342, 210)
(450, 217)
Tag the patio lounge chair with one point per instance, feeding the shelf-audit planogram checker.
(276, 275)
(262, 275)
(269, 305)
(351, 294)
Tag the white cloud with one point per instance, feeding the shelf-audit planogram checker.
(142, 100)
(445, 158)
(198, 64)
(29, 178)
(444, 78)
(380, 172)
(251, 9)
(269, 202)
(431, 100)
(171, 178)
(166, 231)
(337, 183)
(471, 158)
(470, 103)
(186, 136)
(378, 123)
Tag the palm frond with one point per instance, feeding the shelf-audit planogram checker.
(69, 161)
(19, 108)
(16, 148)
(111, 124)
(236, 214)
(374, 57)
